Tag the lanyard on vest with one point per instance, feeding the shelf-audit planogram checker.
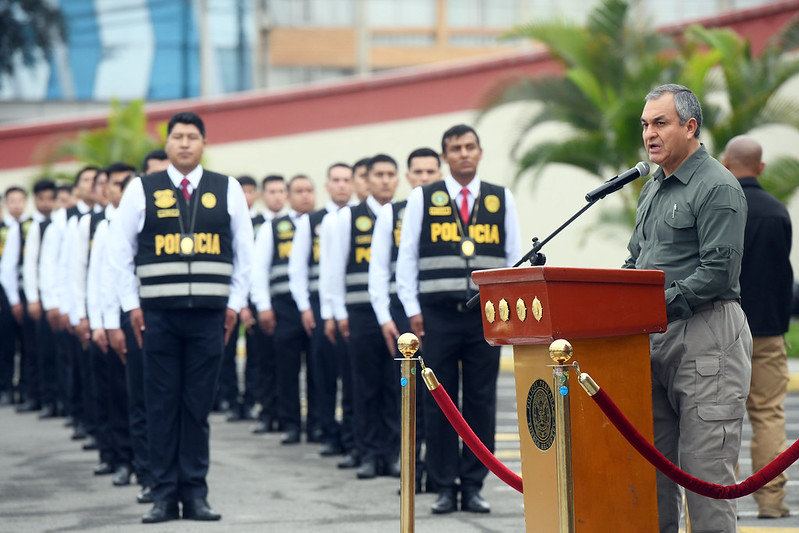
(467, 243)
(187, 238)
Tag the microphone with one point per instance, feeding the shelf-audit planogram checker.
(617, 182)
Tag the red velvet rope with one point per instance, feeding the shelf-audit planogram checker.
(470, 439)
(703, 488)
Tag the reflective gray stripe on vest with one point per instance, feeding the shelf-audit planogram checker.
(357, 278)
(451, 261)
(313, 285)
(279, 270)
(166, 290)
(314, 271)
(180, 268)
(276, 289)
(357, 297)
(430, 286)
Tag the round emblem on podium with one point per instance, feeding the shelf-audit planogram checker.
(541, 414)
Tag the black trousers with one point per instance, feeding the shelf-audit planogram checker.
(68, 376)
(113, 420)
(87, 388)
(465, 364)
(325, 358)
(8, 348)
(291, 346)
(377, 389)
(256, 341)
(28, 354)
(182, 353)
(262, 359)
(228, 376)
(137, 409)
(49, 380)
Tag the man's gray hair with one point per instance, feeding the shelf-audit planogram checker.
(685, 101)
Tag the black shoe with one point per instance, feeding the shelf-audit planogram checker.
(161, 512)
(145, 495)
(29, 406)
(122, 476)
(262, 426)
(5, 398)
(367, 470)
(392, 469)
(223, 406)
(315, 435)
(48, 411)
(233, 414)
(249, 413)
(90, 444)
(445, 503)
(291, 437)
(69, 422)
(199, 510)
(351, 460)
(472, 502)
(103, 469)
(330, 449)
(79, 433)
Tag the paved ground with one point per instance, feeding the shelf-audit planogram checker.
(46, 485)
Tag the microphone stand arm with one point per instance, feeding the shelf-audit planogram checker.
(536, 258)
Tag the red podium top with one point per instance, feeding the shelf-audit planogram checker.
(536, 305)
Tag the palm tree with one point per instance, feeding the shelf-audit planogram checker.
(609, 65)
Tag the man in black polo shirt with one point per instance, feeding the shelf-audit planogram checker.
(185, 233)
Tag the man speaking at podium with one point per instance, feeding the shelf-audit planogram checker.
(690, 224)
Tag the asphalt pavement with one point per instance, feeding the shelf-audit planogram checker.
(46, 485)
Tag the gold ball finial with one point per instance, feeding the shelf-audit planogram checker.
(408, 344)
(561, 351)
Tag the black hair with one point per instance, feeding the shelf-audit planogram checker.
(271, 178)
(186, 117)
(119, 167)
(334, 165)
(85, 169)
(44, 185)
(299, 177)
(155, 154)
(457, 131)
(380, 158)
(66, 187)
(361, 163)
(247, 180)
(424, 152)
(15, 188)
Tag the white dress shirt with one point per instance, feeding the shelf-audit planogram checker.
(333, 259)
(50, 280)
(67, 259)
(380, 264)
(263, 252)
(98, 296)
(129, 221)
(301, 249)
(408, 258)
(10, 268)
(80, 265)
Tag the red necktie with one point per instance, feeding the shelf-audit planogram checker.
(184, 186)
(465, 205)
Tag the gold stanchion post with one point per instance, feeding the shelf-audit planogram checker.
(561, 351)
(408, 344)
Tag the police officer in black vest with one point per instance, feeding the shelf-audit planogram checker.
(375, 373)
(277, 311)
(450, 229)
(186, 235)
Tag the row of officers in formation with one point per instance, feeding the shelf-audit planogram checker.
(126, 294)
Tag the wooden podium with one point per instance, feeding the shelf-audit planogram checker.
(607, 316)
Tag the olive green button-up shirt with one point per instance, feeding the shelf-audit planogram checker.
(691, 226)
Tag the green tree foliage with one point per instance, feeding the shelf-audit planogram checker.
(28, 30)
(611, 63)
(124, 139)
